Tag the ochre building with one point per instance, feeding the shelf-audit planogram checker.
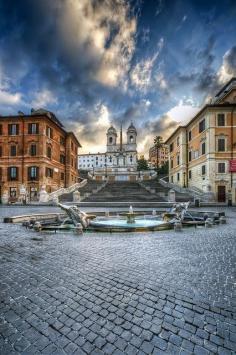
(36, 151)
(162, 154)
(202, 153)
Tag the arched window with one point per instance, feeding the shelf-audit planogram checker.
(110, 140)
(131, 139)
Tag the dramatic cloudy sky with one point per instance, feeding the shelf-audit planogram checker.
(97, 62)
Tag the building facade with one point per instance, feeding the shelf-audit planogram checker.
(36, 151)
(119, 155)
(202, 154)
(163, 156)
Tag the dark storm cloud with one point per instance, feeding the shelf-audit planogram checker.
(135, 113)
(48, 38)
(161, 125)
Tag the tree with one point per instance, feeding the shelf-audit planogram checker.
(164, 169)
(158, 143)
(142, 164)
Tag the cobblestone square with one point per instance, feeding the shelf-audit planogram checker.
(134, 293)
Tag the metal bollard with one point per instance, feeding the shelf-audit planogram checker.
(178, 226)
(222, 220)
(79, 228)
(208, 223)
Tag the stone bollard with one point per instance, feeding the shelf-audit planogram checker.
(171, 196)
(76, 196)
(79, 229)
(178, 226)
(208, 223)
(154, 212)
(55, 200)
(37, 226)
(222, 220)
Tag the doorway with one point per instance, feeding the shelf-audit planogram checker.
(221, 194)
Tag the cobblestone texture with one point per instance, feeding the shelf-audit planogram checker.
(144, 293)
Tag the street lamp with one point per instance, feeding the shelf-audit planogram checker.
(184, 174)
(105, 170)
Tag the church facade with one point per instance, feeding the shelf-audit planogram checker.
(120, 155)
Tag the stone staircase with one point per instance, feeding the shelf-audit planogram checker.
(85, 191)
(162, 191)
(123, 191)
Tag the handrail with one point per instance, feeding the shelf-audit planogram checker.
(66, 190)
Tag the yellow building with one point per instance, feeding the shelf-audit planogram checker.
(202, 154)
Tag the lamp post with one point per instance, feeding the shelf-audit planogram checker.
(184, 174)
(105, 170)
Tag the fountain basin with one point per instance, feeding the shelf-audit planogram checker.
(121, 225)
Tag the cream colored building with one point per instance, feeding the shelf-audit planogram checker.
(202, 154)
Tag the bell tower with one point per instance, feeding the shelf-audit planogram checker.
(131, 137)
(111, 139)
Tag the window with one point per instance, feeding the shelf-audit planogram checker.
(171, 163)
(110, 159)
(203, 169)
(49, 152)
(0, 151)
(72, 145)
(177, 141)
(203, 148)
(49, 132)
(49, 172)
(221, 120)
(177, 176)
(33, 172)
(171, 147)
(62, 140)
(190, 155)
(190, 174)
(13, 192)
(62, 159)
(0, 129)
(33, 150)
(62, 176)
(12, 173)
(172, 180)
(13, 150)
(33, 128)
(178, 159)
(221, 168)
(131, 139)
(221, 145)
(13, 129)
(72, 161)
(131, 159)
(189, 136)
(110, 140)
(202, 126)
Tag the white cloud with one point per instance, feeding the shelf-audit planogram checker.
(228, 67)
(43, 98)
(106, 31)
(7, 98)
(183, 112)
(142, 74)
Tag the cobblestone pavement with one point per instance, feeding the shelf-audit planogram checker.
(144, 293)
